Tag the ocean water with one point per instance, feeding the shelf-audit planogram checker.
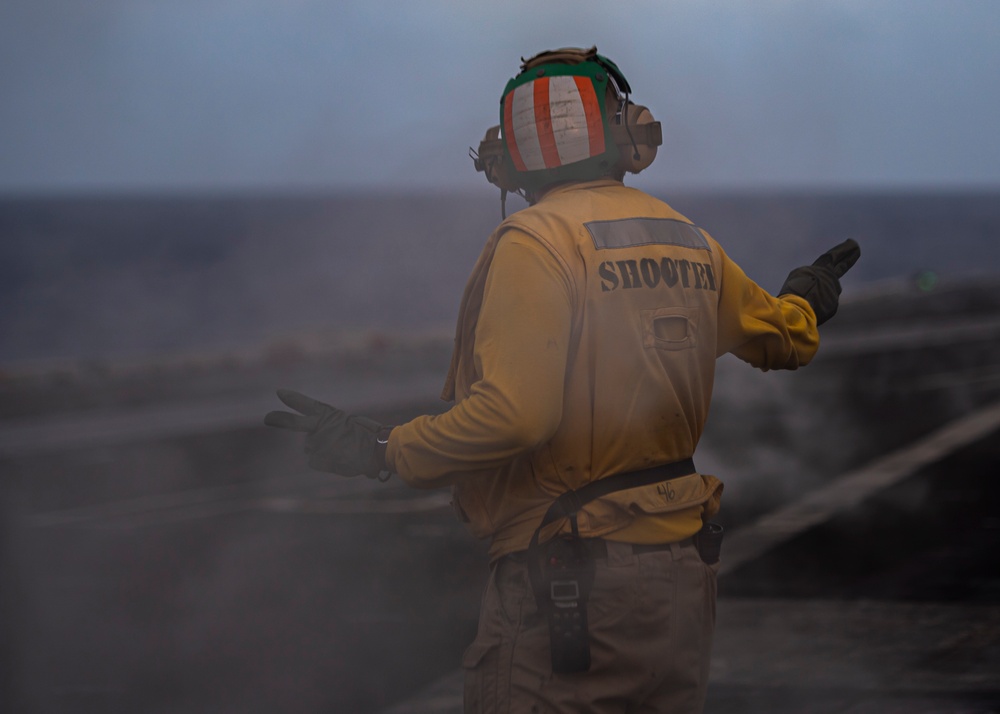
(115, 277)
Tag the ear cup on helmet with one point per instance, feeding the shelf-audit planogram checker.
(637, 140)
(490, 160)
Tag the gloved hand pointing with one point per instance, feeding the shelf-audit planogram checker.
(819, 283)
(337, 442)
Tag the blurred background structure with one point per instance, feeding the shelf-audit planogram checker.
(201, 202)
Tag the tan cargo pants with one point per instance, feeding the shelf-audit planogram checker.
(652, 617)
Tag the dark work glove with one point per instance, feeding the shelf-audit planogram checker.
(819, 283)
(337, 442)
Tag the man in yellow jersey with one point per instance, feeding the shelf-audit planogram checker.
(581, 379)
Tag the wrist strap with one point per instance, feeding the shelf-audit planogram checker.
(381, 446)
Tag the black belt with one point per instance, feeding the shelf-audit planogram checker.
(598, 548)
(569, 503)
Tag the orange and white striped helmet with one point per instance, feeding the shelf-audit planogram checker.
(553, 119)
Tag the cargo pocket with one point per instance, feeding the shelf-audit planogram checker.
(670, 328)
(482, 677)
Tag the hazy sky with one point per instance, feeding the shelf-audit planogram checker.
(230, 94)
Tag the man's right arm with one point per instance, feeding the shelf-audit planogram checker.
(781, 332)
(766, 331)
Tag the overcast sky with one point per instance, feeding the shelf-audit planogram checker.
(286, 94)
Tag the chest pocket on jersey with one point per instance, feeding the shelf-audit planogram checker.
(670, 328)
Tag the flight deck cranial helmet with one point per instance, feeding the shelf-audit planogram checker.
(566, 117)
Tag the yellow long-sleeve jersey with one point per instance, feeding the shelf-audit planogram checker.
(586, 347)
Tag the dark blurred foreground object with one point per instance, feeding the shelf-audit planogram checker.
(819, 283)
(337, 442)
